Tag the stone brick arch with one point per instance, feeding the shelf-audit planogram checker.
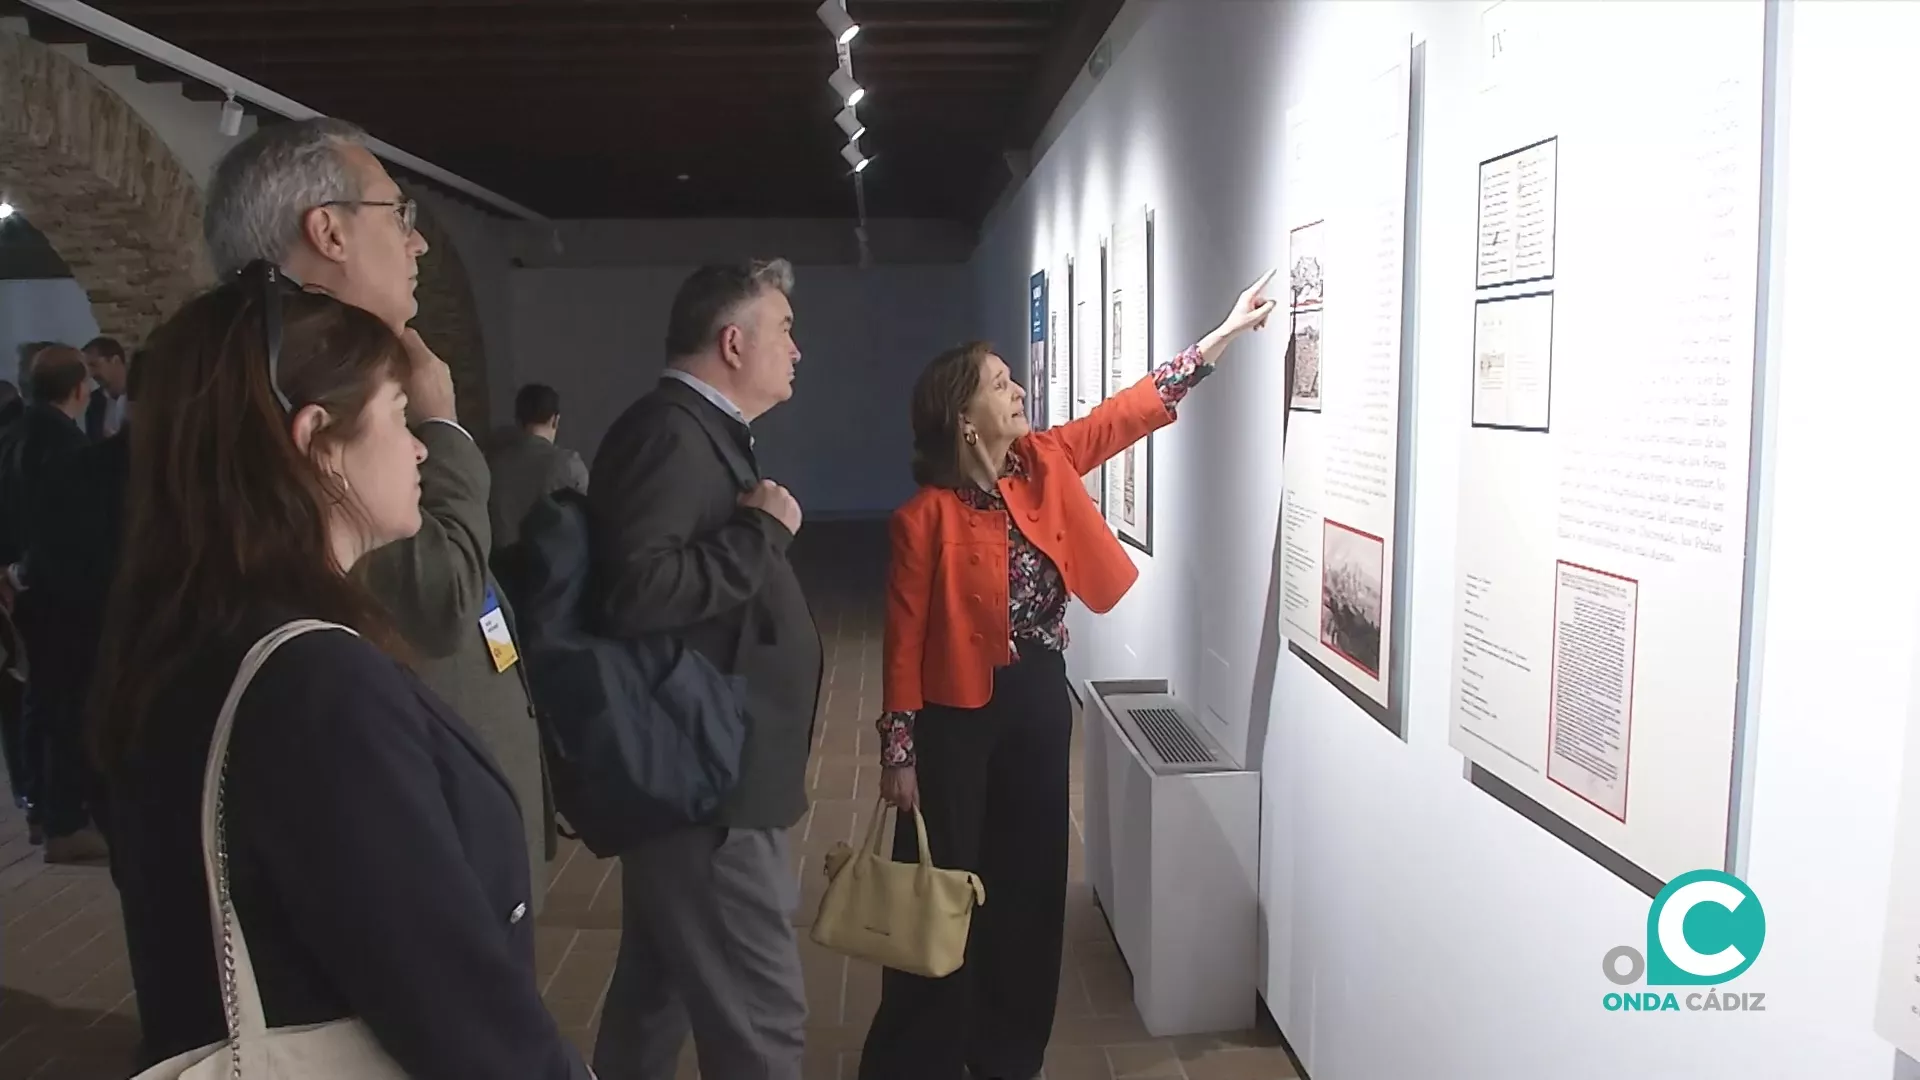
(104, 188)
(449, 318)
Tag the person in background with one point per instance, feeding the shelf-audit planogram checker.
(12, 673)
(107, 408)
(978, 723)
(23, 362)
(311, 199)
(60, 788)
(688, 540)
(372, 844)
(12, 402)
(69, 569)
(527, 464)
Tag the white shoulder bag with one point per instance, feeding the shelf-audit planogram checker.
(338, 1048)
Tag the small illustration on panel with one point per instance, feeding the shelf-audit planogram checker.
(1306, 359)
(1127, 505)
(1352, 584)
(1304, 256)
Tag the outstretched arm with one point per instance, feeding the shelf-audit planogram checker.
(1152, 403)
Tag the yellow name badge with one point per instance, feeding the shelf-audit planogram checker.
(493, 625)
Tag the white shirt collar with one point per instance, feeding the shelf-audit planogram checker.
(720, 401)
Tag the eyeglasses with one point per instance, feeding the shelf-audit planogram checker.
(271, 283)
(406, 210)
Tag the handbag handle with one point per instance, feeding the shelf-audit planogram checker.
(876, 837)
(239, 991)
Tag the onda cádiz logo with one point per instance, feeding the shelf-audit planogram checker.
(1703, 930)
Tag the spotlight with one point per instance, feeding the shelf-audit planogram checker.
(6, 210)
(857, 160)
(850, 123)
(842, 82)
(839, 24)
(231, 116)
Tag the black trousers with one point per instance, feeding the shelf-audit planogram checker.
(993, 790)
(13, 737)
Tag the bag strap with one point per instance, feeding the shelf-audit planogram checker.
(745, 476)
(239, 991)
(877, 835)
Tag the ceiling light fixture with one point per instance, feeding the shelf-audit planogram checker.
(839, 23)
(231, 115)
(855, 159)
(852, 93)
(6, 210)
(850, 123)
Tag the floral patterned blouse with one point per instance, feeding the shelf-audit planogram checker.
(1036, 593)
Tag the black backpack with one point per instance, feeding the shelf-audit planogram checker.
(641, 737)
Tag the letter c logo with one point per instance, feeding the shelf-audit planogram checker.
(1735, 931)
(1673, 933)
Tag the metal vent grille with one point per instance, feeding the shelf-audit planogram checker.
(1170, 737)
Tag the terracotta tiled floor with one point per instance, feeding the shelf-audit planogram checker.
(66, 1010)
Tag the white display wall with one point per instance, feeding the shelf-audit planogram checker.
(1416, 926)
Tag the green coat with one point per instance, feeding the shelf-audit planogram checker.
(435, 587)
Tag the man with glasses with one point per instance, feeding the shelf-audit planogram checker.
(311, 200)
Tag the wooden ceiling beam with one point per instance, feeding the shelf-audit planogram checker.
(797, 53)
(1073, 42)
(267, 29)
(865, 10)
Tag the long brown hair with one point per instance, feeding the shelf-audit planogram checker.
(224, 513)
(940, 395)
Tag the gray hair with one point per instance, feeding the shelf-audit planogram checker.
(711, 295)
(264, 186)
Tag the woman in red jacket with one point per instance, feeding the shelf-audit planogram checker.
(978, 721)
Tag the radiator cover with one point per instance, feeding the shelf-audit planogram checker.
(1173, 840)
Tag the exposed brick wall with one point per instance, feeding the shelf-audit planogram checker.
(449, 323)
(105, 189)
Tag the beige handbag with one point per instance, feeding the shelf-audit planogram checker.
(906, 916)
(338, 1048)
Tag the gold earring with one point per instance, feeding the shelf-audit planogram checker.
(972, 437)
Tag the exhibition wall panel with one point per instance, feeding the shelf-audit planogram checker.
(1415, 925)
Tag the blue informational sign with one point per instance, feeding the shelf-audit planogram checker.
(1037, 350)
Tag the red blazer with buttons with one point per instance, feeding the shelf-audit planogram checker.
(947, 604)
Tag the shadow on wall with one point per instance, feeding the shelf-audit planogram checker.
(841, 444)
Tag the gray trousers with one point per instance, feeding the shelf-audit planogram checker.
(706, 941)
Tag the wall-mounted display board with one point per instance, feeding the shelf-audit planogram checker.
(1039, 371)
(1897, 1011)
(1130, 357)
(1604, 483)
(1058, 390)
(1348, 165)
(1089, 350)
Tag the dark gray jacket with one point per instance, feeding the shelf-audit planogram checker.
(526, 467)
(435, 587)
(673, 551)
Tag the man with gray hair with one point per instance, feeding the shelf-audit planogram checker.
(689, 540)
(310, 198)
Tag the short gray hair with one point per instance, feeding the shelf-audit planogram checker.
(265, 185)
(712, 293)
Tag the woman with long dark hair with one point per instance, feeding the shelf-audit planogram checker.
(978, 723)
(374, 850)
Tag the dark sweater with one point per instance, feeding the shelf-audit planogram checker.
(377, 864)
